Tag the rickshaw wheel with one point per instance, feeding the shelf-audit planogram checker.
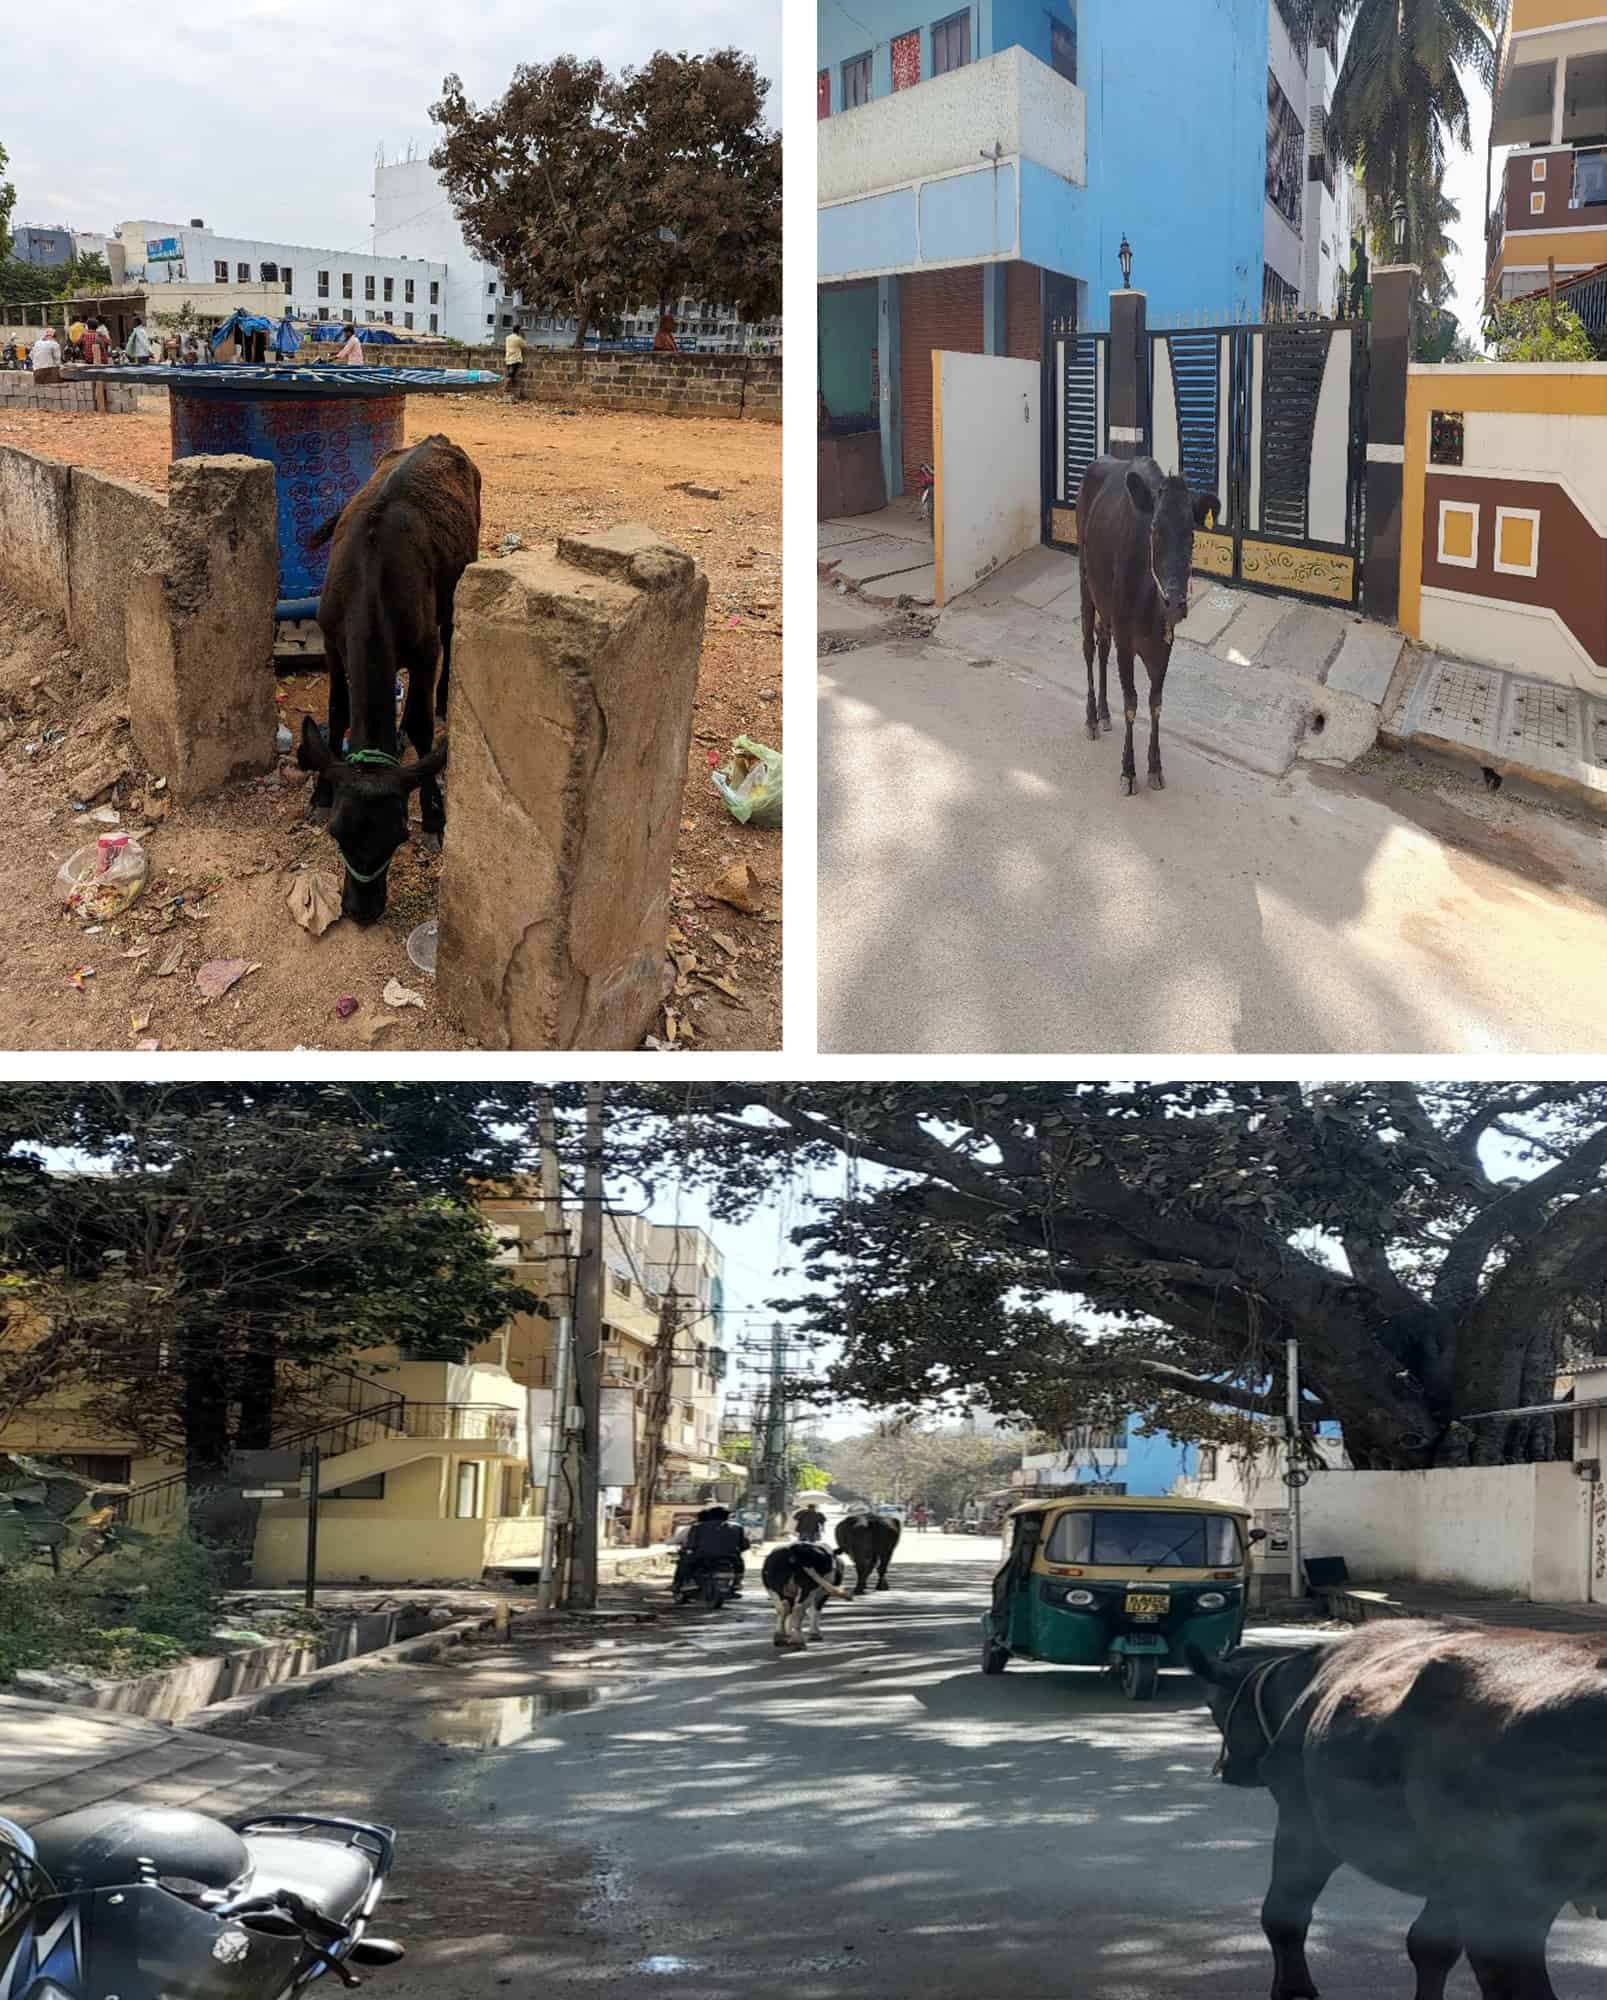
(1140, 1673)
(995, 1658)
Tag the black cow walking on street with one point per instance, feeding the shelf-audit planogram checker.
(1135, 546)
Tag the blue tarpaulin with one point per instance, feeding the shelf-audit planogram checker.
(238, 325)
(285, 338)
(334, 329)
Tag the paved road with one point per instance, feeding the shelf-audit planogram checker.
(875, 1818)
(984, 887)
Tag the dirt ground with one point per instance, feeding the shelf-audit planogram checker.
(221, 869)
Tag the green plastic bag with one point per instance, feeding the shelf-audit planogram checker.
(750, 783)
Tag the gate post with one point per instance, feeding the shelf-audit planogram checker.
(1127, 384)
(1389, 358)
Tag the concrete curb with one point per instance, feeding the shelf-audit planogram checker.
(239, 1708)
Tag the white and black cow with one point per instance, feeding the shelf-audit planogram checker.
(798, 1578)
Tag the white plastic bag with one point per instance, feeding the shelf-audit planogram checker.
(99, 880)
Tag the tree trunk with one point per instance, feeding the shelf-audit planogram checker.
(204, 1366)
(258, 1386)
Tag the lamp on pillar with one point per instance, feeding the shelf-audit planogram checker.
(1125, 258)
(1398, 215)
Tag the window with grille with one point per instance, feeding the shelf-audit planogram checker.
(435, 292)
(951, 43)
(407, 291)
(433, 318)
(290, 279)
(94, 1465)
(390, 290)
(346, 286)
(323, 284)
(1286, 142)
(407, 319)
(856, 82)
(220, 272)
(242, 273)
(1208, 1461)
(368, 290)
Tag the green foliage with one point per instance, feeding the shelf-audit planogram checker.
(807, 1478)
(88, 273)
(8, 201)
(136, 1612)
(596, 195)
(1538, 330)
(945, 1468)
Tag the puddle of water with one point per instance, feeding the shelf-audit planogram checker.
(497, 1721)
(664, 1963)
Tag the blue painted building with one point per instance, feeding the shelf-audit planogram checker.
(978, 170)
(49, 249)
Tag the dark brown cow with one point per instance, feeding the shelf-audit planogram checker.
(1459, 1764)
(1135, 546)
(868, 1540)
(400, 546)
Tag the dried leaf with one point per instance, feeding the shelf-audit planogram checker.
(728, 945)
(139, 1021)
(738, 886)
(314, 901)
(219, 974)
(171, 963)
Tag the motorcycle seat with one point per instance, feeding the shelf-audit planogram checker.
(98, 1847)
(334, 1880)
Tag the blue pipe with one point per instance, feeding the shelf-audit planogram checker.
(291, 608)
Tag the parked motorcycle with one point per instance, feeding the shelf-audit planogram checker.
(710, 1584)
(145, 1903)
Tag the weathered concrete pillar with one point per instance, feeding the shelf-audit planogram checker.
(1127, 379)
(199, 628)
(1390, 357)
(573, 675)
(889, 387)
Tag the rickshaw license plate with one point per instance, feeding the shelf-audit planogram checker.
(1141, 1604)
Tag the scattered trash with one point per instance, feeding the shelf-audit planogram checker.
(77, 977)
(219, 974)
(739, 887)
(107, 815)
(100, 879)
(345, 1006)
(750, 783)
(171, 963)
(314, 900)
(282, 740)
(148, 1046)
(139, 1021)
(421, 946)
(398, 995)
(509, 543)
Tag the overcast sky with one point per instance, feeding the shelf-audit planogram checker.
(266, 122)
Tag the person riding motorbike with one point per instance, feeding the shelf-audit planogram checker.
(713, 1539)
(809, 1523)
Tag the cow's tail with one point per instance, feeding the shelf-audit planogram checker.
(323, 532)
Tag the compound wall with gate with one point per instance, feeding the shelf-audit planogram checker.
(1269, 417)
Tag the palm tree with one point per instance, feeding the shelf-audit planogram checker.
(1400, 94)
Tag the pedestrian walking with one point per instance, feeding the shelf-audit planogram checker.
(103, 343)
(45, 358)
(139, 344)
(513, 363)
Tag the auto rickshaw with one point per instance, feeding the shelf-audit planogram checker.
(1118, 1583)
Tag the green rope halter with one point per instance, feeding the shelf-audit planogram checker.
(367, 757)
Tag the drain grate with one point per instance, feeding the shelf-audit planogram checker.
(1463, 704)
(1542, 718)
(1596, 737)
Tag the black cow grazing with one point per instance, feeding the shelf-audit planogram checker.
(798, 1578)
(1462, 1765)
(400, 546)
(868, 1540)
(1135, 544)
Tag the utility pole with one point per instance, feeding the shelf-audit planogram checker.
(776, 1440)
(558, 1519)
(1295, 1473)
(589, 1355)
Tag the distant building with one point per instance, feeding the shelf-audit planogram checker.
(1116, 1460)
(48, 248)
(90, 243)
(414, 214)
(1313, 201)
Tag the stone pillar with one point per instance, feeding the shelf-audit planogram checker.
(573, 676)
(890, 400)
(1389, 358)
(1127, 376)
(199, 628)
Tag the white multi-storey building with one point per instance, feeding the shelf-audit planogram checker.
(406, 292)
(1313, 201)
(413, 213)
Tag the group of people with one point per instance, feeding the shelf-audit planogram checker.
(715, 1538)
(91, 342)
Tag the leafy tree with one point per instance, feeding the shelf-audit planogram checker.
(1401, 93)
(176, 1252)
(8, 201)
(1539, 330)
(703, 175)
(1073, 1253)
(944, 1467)
(88, 273)
(538, 182)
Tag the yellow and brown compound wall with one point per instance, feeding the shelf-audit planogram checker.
(1504, 556)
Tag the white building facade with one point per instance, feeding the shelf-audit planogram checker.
(413, 217)
(407, 292)
(1313, 201)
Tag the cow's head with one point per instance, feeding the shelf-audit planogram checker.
(1231, 1685)
(368, 820)
(1170, 514)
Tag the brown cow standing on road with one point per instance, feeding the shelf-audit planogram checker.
(400, 545)
(1135, 548)
(1462, 1765)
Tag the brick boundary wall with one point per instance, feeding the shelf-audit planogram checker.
(684, 385)
(19, 391)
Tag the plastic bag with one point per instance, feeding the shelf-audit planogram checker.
(750, 783)
(100, 879)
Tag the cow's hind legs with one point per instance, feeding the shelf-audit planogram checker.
(1104, 677)
(1124, 666)
(1301, 1866)
(779, 1604)
(881, 1577)
(1157, 681)
(1507, 1952)
(418, 719)
(1090, 625)
(1433, 1944)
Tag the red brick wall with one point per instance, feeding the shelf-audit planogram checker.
(1023, 319)
(936, 309)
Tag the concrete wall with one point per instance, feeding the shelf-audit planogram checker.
(80, 393)
(671, 385)
(987, 502)
(1504, 556)
(33, 520)
(113, 528)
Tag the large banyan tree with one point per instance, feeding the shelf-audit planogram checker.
(1062, 1252)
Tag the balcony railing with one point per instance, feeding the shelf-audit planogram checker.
(462, 1423)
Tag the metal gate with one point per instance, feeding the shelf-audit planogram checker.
(1272, 418)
